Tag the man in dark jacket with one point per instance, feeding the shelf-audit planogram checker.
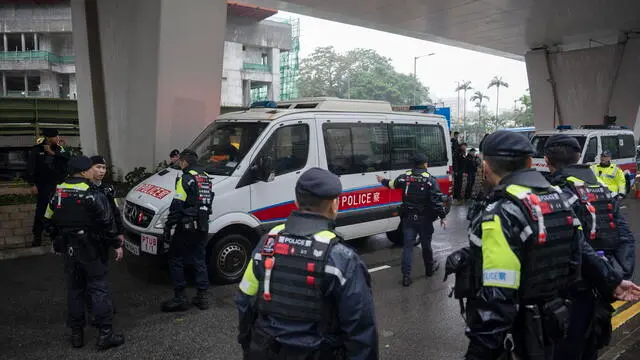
(305, 295)
(99, 169)
(81, 216)
(46, 167)
(472, 161)
(590, 325)
(459, 168)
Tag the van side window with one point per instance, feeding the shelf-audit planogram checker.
(288, 147)
(407, 140)
(592, 150)
(359, 148)
(611, 143)
(627, 146)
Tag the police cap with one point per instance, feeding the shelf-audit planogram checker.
(98, 159)
(419, 159)
(563, 140)
(507, 144)
(78, 164)
(174, 152)
(320, 183)
(606, 153)
(49, 132)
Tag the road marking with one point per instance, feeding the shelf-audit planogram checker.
(383, 267)
(625, 316)
(618, 304)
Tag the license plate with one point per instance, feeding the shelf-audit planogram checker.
(149, 244)
(131, 247)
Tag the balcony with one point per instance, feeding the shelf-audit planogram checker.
(36, 60)
(256, 67)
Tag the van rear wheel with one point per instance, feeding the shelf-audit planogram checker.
(228, 258)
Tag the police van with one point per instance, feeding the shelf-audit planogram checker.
(594, 139)
(255, 157)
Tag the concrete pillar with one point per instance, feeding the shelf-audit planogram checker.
(26, 84)
(148, 75)
(246, 93)
(4, 84)
(24, 42)
(35, 42)
(5, 42)
(274, 59)
(589, 84)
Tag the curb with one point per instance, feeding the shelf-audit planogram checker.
(24, 252)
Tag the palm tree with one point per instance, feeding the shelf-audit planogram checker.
(479, 97)
(464, 86)
(497, 82)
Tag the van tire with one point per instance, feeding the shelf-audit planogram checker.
(228, 258)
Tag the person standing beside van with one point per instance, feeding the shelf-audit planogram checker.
(189, 213)
(610, 174)
(422, 204)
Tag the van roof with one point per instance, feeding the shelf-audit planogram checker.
(582, 132)
(318, 104)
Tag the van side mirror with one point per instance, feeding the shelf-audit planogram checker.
(263, 170)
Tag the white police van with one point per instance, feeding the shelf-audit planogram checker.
(255, 157)
(594, 139)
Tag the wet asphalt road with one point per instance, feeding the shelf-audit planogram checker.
(419, 322)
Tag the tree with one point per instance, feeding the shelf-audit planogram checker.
(524, 116)
(464, 86)
(479, 97)
(497, 82)
(358, 74)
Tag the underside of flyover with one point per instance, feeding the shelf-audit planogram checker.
(583, 59)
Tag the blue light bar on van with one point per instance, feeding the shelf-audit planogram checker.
(564, 127)
(427, 109)
(264, 104)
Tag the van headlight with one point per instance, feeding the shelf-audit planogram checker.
(162, 219)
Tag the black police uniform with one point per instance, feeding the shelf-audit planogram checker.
(82, 218)
(45, 171)
(189, 213)
(422, 203)
(110, 192)
(526, 251)
(597, 210)
(305, 295)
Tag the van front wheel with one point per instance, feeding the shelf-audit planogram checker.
(228, 258)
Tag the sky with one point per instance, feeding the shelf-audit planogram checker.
(439, 72)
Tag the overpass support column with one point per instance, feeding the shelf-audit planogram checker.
(583, 86)
(148, 75)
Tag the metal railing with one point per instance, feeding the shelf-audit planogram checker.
(36, 56)
(256, 67)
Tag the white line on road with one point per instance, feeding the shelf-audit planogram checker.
(383, 267)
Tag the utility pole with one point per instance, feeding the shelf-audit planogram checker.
(415, 76)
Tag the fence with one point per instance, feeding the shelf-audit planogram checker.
(35, 56)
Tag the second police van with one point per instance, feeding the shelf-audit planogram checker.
(255, 157)
(594, 139)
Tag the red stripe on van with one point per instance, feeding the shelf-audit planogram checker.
(632, 167)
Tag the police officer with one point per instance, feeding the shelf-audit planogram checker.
(525, 252)
(46, 167)
(99, 169)
(422, 203)
(82, 218)
(305, 295)
(610, 174)
(605, 230)
(189, 213)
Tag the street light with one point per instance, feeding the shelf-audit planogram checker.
(415, 78)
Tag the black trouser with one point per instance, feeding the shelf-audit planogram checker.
(188, 246)
(471, 179)
(45, 192)
(579, 345)
(87, 281)
(412, 226)
(265, 347)
(458, 177)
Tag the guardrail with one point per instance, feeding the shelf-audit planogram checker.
(36, 56)
(256, 67)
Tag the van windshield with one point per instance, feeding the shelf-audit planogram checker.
(223, 145)
(539, 141)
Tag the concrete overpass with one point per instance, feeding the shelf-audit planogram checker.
(583, 59)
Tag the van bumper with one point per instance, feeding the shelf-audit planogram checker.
(144, 265)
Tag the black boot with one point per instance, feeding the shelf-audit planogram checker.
(200, 300)
(435, 266)
(107, 339)
(178, 303)
(406, 280)
(77, 337)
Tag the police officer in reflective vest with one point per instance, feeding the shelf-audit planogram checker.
(305, 295)
(80, 214)
(525, 254)
(189, 213)
(46, 167)
(610, 174)
(606, 231)
(422, 203)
